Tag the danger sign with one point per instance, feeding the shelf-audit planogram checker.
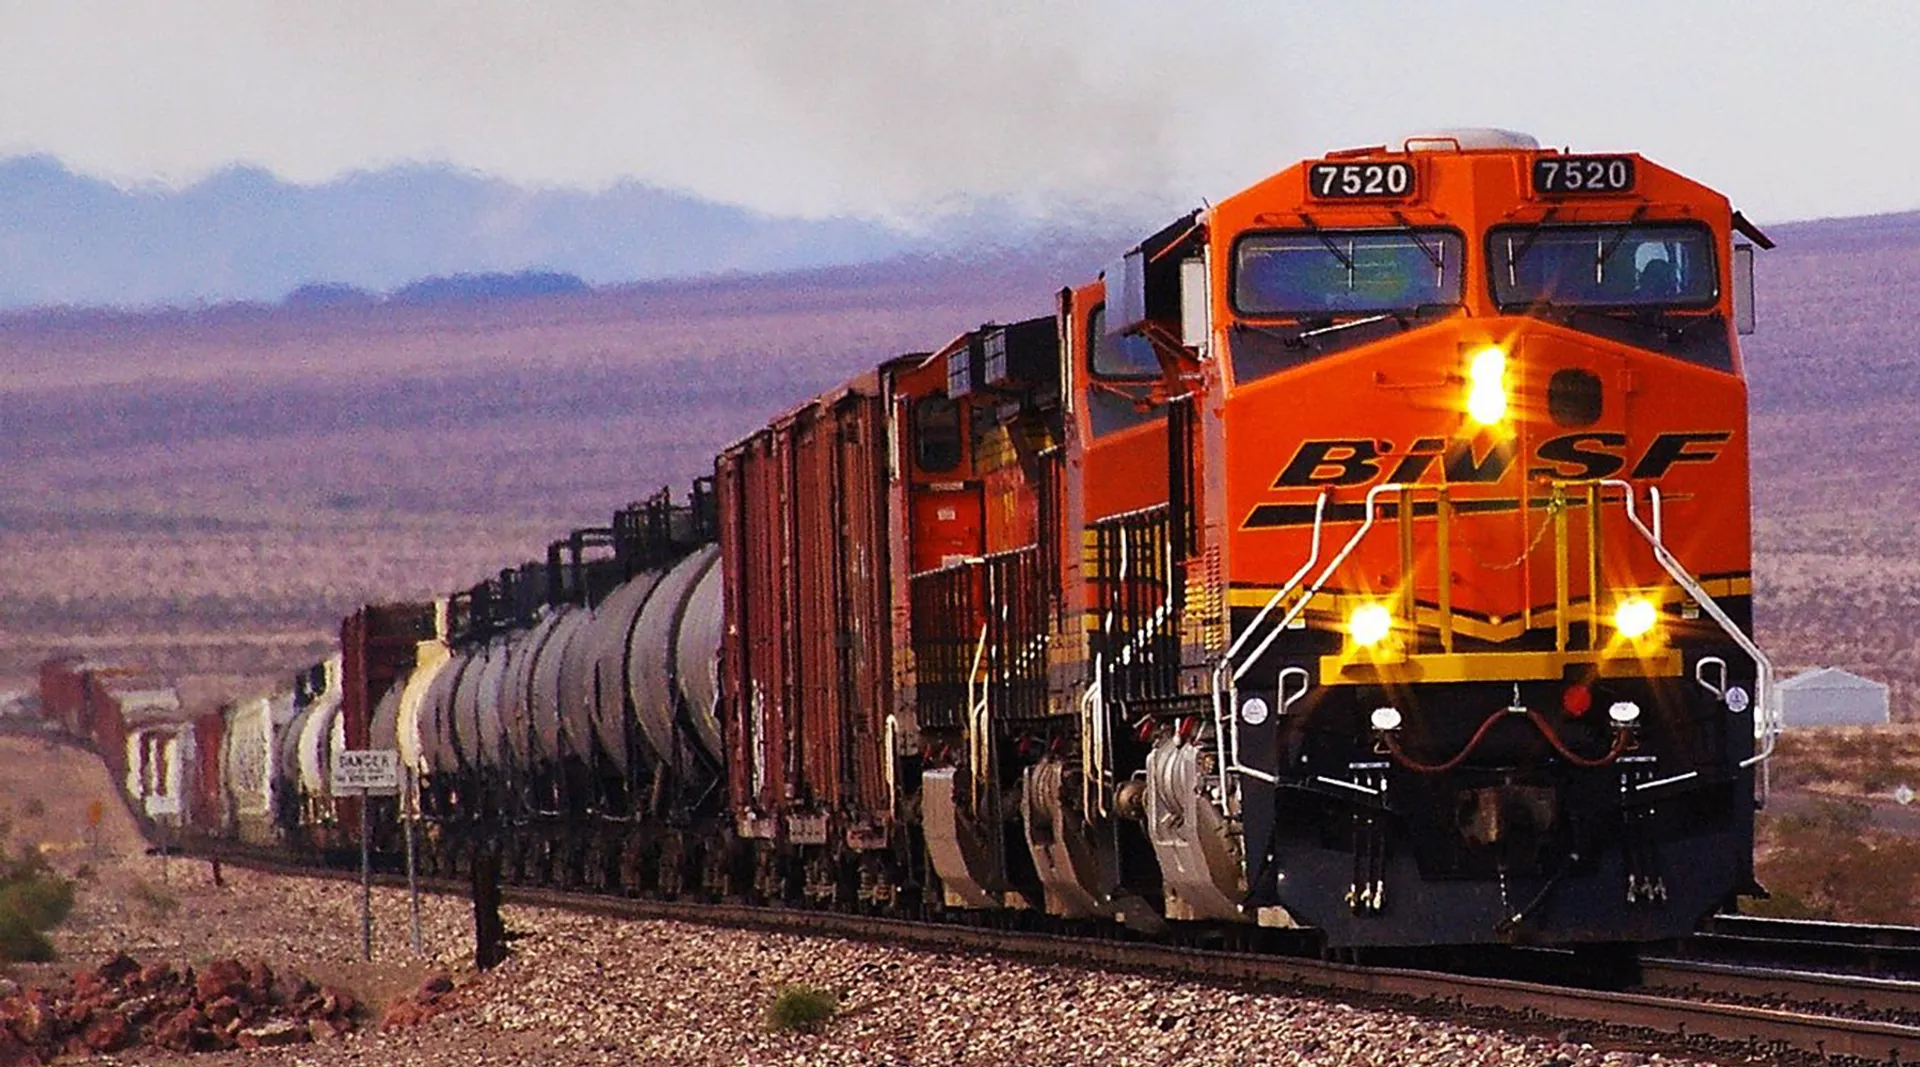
(366, 771)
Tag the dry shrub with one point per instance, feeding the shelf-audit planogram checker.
(1832, 865)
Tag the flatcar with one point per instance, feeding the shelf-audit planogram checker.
(1367, 553)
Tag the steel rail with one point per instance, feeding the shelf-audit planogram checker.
(1851, 994)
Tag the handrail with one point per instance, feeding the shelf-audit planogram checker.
(978, 749)
(1767, 718)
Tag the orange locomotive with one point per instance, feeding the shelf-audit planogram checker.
(1368, 552)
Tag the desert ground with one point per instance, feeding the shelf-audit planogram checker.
(585, 990)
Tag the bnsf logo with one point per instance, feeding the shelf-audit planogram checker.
(1573, 457)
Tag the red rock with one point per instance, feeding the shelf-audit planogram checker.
(89, 983)
(436, 986)
(259, 982)
(291, 989)
(14, 1052)
(182, 1031)
(223, 1011)
(118, 969)
(221, 978)
(403, 1014)
(335, 1003)
(108, 1033)
(158, 975)
(34, 1023)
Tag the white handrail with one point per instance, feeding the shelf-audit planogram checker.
(978, 751)
(1767, 714)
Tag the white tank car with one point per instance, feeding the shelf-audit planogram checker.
(412, 724)
(516, 693)
(484, 739)
(320, 731)
(556, 730)
(656, 680)
(605, 646)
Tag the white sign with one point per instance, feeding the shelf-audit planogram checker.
(158, 805)
(366, 770)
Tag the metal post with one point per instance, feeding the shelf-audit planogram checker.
(412, 813)
(366, 884)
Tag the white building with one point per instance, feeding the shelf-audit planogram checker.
(1830, 696)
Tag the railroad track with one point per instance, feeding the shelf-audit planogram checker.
(1883, 951)
(1709, 1008)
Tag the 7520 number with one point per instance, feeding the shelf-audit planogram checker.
(1340, 181)
(1583, 174)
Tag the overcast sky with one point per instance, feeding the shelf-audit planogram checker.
(1795, 108)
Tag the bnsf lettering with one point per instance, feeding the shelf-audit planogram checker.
(1671, 448)
(1462, 466)
(1349, 462)
(1574, 457)
(1569, 458)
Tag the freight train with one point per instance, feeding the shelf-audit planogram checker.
(1367, 553)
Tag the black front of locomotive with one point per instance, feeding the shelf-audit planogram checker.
(1612, 803)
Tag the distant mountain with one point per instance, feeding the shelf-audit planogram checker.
(244, 235)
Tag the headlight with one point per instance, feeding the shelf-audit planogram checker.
(1385, 719)
(1487, 386)
(1369, 625)
(1625, 713)
(1635, 617)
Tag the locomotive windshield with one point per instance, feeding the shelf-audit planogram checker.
(1321, 274)
(1649, 266)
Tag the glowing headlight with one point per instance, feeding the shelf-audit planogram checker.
(1369, 625)
(1625, 713)
(1385, 719)
(1487, 386)
(1635, 617)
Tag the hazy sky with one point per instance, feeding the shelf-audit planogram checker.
(1795, 108)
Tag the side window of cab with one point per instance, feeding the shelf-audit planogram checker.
(1122, 368)
(938, 438)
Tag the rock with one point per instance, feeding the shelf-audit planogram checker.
(291, 989)
(14, 1052)
(322, 1031)
(223, 1011)
(156, 976)
(108, 1033)
(270, 1035)
(183, 1031)
(336, 1003)
(221, 978)
(437, 985)
(404, 1014)
(34, 1023)
(259, 982)
(117, 970)
(9, 988)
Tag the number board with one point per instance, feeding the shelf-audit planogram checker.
(1583, 175)
(1360, 181)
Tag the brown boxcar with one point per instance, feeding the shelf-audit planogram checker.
(806, 658)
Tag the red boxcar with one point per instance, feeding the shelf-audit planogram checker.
(806, 658)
